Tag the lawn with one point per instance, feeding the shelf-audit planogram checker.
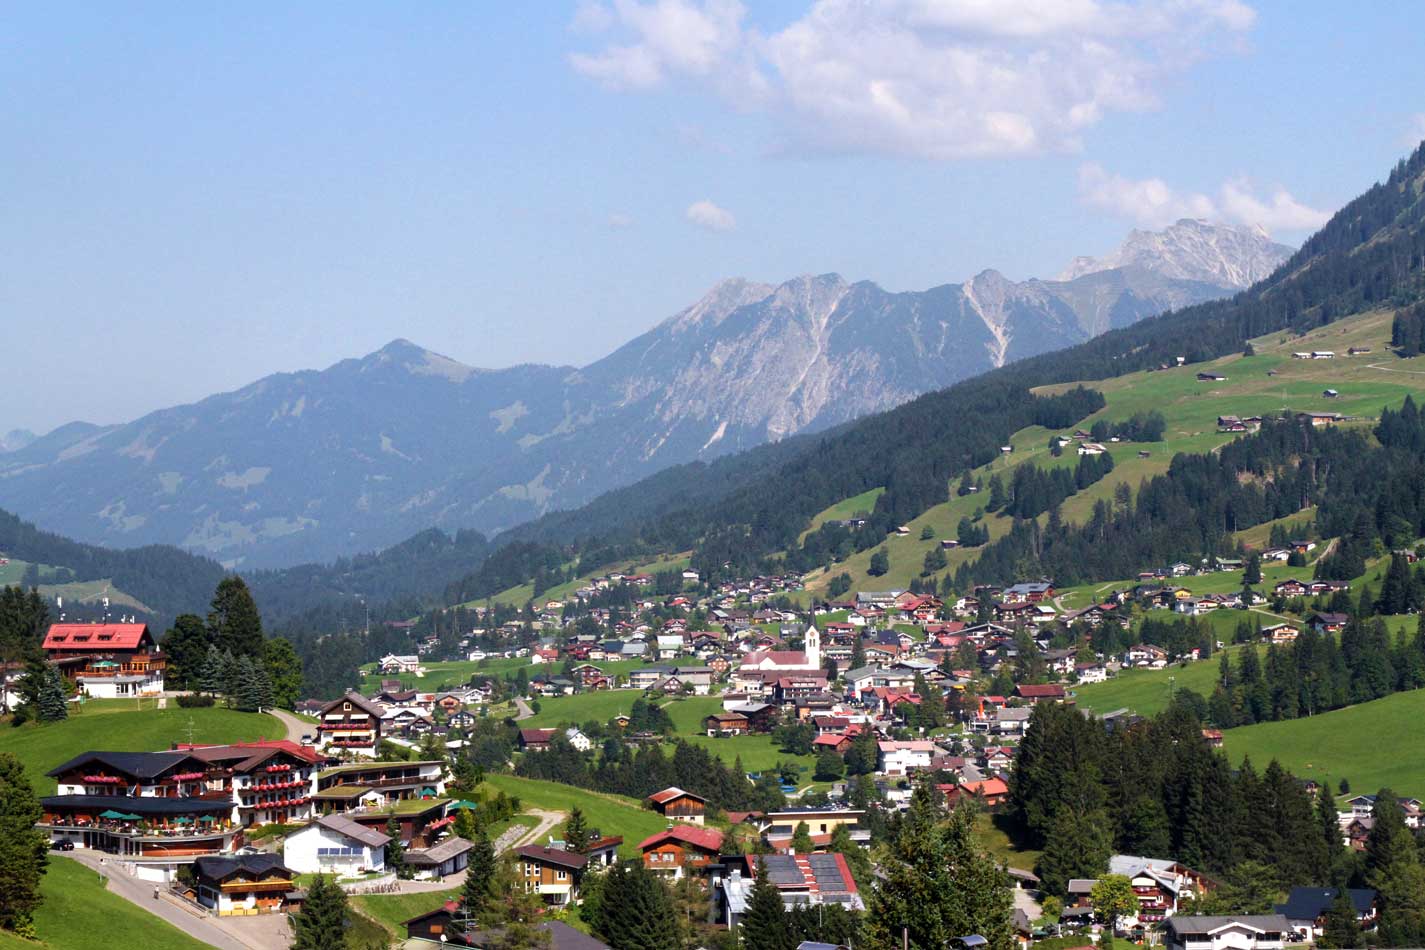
(610, 814)
(79, 914)
(600, 706)
(392, 910)
(758, 753)
(1370, 745)
(42, 747)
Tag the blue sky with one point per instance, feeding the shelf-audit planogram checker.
(196, 195)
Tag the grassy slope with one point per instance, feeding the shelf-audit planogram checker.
(1372, 744)
(519, 596)
(1191, 409)
(42, 747)
(391, 910)
(611, 814)
(79, 914)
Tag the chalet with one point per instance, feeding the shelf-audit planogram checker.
(107, 660)
(802, 880)
(761, 717)
(352, 722)
(1162, 886)
(726, 724)
(1306, 909)
(1328, 622)
(1029, 591)
(992, 791)
(1237, 932)
(447, 926)
(1280, 633)
(837, 742)
(391, 663)
(448, 856)
(900, 757)
(535, 740)
(376, 784)
(681, 849)
(335, 844)
(1318, 419)
(1213, 737)
(1041, 692)
(1146, 654)
(1211, 378)
(1323, 354)
(243, 885)
(552, 873)
(675, 804)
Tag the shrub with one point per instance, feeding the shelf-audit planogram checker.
(195, 700)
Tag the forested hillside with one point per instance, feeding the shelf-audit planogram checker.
(1368, 256)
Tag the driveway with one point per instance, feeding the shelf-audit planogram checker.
(296, 728)
(189, 920)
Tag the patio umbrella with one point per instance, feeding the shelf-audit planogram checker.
(128, 817)
(183, 821)
(463, 805)
(110, 813)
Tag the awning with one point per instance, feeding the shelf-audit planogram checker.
(463, 805)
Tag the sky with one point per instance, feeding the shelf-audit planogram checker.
(193, 196)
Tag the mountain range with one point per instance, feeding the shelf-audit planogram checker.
(308, 466)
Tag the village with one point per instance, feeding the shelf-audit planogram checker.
(885, 690)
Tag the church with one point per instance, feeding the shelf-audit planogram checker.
(786, 661)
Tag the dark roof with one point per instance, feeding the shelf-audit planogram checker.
(354, 830)
(440, 853)
(137, 804)
(561, 937)
(1309, 903)
(357, 700)
(137, 764)
(1182, 924)
(565, 859)
(222, 868)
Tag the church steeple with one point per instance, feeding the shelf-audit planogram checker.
(812, 646)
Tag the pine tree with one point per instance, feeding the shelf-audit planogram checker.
(576, 832)
(1343, 930)
(637, 911)
(211, 679)
(246, 690)
(765, 925)
(23, 853)
(323, 922)
(396, 851)
(51, 703)
(234, 623)
(479, 876)
(1078, 846)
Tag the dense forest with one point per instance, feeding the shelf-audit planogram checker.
(1371, 496)
(1155, 788)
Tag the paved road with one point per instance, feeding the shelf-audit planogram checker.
(140, 893)
(524, 708)
(296, 728)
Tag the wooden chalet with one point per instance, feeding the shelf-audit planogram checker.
(675, 804)
(351, 722)
(243, 885)
(681, 849)
(107, 660)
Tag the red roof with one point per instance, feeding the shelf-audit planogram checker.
(1040, 690)
(708, 839)
(306, 753)
(95, 636)
(536, 735)
(669, 794)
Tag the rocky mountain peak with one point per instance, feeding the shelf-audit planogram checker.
(1193, 249)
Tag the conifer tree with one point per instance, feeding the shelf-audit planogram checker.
(801, 839)
(765, 924)
(396, 851)
(211, 679)
(233, 621)
(576, 832)
(23, 855)
(1343, 930)
(479, 876)
(637, 911)
(51, 703)
(323, 922)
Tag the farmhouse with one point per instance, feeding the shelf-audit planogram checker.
(678, 805)
(681, 849)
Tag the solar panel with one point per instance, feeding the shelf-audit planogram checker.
(782, 869)
(827, 872)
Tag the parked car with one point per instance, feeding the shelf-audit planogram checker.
(63, 844)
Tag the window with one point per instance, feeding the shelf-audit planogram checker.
(561, 876)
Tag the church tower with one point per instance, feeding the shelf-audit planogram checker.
(812, 646)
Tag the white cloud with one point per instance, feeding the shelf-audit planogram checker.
(707, 215)
(1153, 203)
(935, 79)
(618, 221)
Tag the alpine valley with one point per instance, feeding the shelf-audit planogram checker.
(313, 465)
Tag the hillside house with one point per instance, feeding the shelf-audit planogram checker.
(334, 844)
(352, 722)
(1306, 908)
(552, 873)
(1238, 932)
(243, 885)
(675, 804)
(680, 850)
(802, 880)
(107, 660)
(900, 757)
